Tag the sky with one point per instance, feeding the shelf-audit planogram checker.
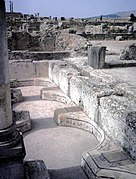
(72, 8)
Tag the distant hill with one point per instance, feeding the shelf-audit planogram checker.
(124, 14)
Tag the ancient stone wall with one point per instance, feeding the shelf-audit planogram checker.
(110, 104)
(25, 65)
(23, 41)
(108, 36)
(28, 69)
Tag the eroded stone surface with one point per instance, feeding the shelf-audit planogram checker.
(115, 116)
(114, 164)
(36, 169)
(23, 120)
(16, 95)
(86, 93)
(129, 53)
(5, 106)
(54, 95)
(96, 57)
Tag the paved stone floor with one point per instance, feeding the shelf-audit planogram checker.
(59, 147)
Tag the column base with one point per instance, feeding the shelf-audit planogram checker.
(12, 153)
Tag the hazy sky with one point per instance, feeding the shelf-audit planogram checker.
(72, 8)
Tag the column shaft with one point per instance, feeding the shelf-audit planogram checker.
(5, 98)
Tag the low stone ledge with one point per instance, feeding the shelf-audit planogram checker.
(79, 120)
(104, 161)
(36, 169)
(23, 121)
(14, 83)
(43, 82)
(114, 164)
(56, 95)
(37, 55)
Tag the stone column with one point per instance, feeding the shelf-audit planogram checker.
(96, 56)
(12, 149)
(5, 105)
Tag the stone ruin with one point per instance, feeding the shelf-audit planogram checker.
(107, 107)
(129, 53)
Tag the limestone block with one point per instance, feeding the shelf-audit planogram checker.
(98, 76)
(64, 77)
(91, 73)
(96, 56)
(24, 69)
(25, 82)
(129, 53)
(117, 118)
(86, 93)
(21, 69)
(96, 93)
(56, 95)
(23, 120)
(44, 82)
(54, 69)
(119, 38)
(75, 92)
(41, 68)
(17, 95)
(78, 119)
(13, 83)
(36, 169)
(110, 164)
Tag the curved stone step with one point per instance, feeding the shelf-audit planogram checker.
(78, 119)
(54, 95)
(106, 160)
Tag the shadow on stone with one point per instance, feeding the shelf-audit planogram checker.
(68, 173)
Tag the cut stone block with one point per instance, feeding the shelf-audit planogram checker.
(114, 164)
(36, 169)
(78, 119)
(75, 93)
(64, 76)
(129, 53)
(56, 95)
(23, 121)
(117, 118)
(16, 95)
(43, 82)
(96, 57)
(86, 94)
(98, 76)
(54, 69)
